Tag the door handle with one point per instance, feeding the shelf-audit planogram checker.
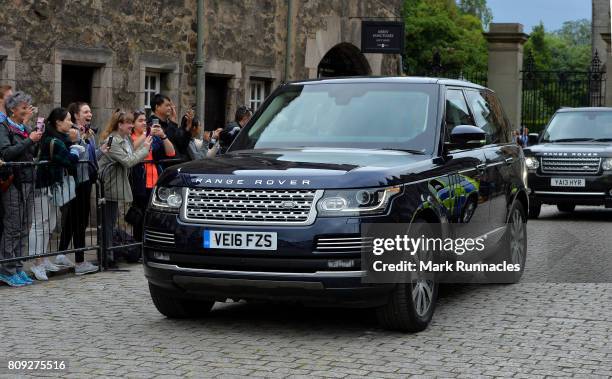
(481, 167)
(509, 160)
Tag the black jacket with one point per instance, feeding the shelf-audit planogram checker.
(17, 147)
(179, 137)
(61, 163)
(228, 135)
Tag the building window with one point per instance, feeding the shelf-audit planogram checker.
(77, 84)
(152, 86)
(257, 94)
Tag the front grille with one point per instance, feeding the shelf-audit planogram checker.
(570, 165)
(251, 206)
(342, 244)
(159, 237)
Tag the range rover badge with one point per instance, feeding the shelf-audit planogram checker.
(288, 204)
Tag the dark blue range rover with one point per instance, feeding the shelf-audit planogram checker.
(279, 216)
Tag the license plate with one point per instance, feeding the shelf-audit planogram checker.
(219, 239)
(567, 182)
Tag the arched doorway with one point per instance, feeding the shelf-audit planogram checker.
(343, 60)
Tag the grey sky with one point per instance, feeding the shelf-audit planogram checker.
(530, 12)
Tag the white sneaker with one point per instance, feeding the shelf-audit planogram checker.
(84, 268)
(63, 261)
(50, 266)
(39, 272)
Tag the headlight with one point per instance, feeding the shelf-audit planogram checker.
(607, 164)
(532, 163)
(167, 199)
(358, 202)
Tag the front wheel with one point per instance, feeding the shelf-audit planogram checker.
(513, 249)
(171, 306)
(411, 305)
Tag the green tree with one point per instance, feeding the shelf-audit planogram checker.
(537, 46)
(577, 32)
(477, 8)
(567, 49)
(439, 26)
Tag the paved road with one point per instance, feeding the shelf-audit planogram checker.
(105, 324)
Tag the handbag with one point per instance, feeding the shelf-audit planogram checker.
(134, 216)
(62, 193)
(6, 179)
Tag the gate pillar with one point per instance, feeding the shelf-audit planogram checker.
(506, 42)
(608, 63)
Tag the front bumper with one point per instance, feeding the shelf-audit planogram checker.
(295, 272)
(597, 189)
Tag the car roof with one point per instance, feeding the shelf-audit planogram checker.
(389, 79)
(585, 109)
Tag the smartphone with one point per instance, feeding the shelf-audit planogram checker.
(40, 124)
(155, 121)
(148, 133)
(110, 141)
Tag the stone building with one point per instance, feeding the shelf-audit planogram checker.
(116, 53)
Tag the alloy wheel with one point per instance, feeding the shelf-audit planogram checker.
(517, 238)
(422, 295)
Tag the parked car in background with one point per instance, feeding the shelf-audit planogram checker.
(571, 162)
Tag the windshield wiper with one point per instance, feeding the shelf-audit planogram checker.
(569, 140)
(411, 151)
(608, 139)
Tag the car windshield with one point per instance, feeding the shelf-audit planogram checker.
(346, 115)
(579, 126)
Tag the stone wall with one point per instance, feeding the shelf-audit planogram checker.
(601, 25)
(123, 39)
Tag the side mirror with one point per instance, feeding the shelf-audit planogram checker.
(467, 137)
(533, 138)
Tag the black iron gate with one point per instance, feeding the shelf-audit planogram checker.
(546, 91)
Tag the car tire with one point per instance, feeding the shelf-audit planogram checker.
(411, 306)
(534, 209)
(566, 207)
(513, 249)
(171, 306)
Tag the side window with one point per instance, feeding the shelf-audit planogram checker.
(457, 112)
(500, 117)
(484, 115)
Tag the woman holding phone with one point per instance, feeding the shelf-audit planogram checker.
(199, 147)
(63, 157)
(17, 144)
(115, 167)
(144, 175)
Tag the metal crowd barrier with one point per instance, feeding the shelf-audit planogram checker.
(41, 221)
(118, 238)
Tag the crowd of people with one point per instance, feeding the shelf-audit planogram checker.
(521, 137)
(48, 170)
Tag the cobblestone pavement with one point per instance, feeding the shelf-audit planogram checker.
(106, 325)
